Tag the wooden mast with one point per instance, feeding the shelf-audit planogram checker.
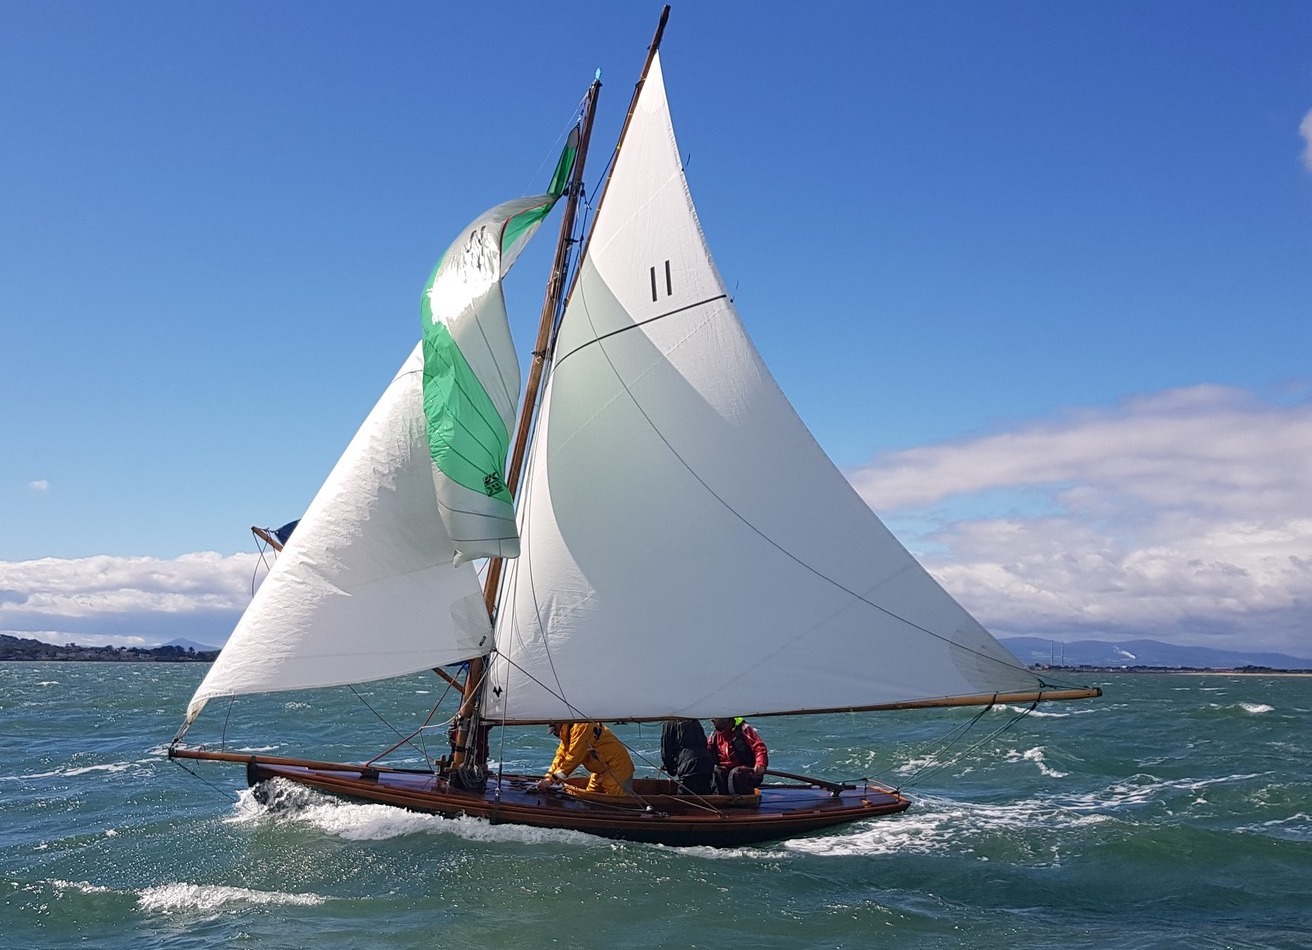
(467, 726)
(546, 328)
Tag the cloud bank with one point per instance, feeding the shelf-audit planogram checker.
(125, 601)
(1184, 516)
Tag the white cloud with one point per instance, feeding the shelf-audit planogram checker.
(1305, 130)
(60, 638)
(1184, 516)
(39, 485)
(125, 601)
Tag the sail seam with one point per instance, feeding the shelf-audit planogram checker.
(638, 324)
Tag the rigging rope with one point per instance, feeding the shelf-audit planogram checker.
(920, 775)
(227, 797)
(409, 740)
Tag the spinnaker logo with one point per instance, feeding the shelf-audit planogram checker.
(492, 484)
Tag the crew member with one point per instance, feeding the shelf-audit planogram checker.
(741, 757)
(686, 756)
(596, 748)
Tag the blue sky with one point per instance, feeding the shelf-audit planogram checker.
(1037, 275)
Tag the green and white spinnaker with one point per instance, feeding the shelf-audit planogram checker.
(471, 371)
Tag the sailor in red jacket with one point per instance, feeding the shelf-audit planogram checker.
(740, 756)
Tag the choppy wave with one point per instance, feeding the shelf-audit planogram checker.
(1035, 755)
(81, 887)
(1036, 713)
(936, 825)
(1062, 826)
(74, 772)
(181, 897)
(1293, 828)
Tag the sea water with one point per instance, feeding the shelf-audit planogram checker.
(1176, 811)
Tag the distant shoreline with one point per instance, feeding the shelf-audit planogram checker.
(1176, 670)
(18, 649)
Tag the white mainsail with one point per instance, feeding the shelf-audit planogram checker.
(687, 548)
(365, 589)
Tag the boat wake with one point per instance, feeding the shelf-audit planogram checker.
(940, 825)
(285, 801)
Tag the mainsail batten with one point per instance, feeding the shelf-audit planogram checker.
(652, 524)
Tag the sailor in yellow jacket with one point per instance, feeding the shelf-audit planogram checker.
(593, 746)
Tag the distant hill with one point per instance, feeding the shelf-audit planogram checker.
(191, 645)
(18, 648)
(1035, 650)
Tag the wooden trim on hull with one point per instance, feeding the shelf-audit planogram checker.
(784, 811)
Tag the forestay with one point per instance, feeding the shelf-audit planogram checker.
(687, 547)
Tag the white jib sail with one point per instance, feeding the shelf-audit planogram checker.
(687, 547)
(365, 589)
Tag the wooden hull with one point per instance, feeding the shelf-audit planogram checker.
(781, 811)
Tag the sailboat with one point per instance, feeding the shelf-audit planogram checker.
(662, 537)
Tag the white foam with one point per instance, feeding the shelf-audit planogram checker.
(82, 887)
(1036, 713)
(751, 853)
(83, 770)
(176, 897)
(1036, 756)
(939, 825)
(1297, 827)
(1253, 709)
(353, 821)
(917, 764)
